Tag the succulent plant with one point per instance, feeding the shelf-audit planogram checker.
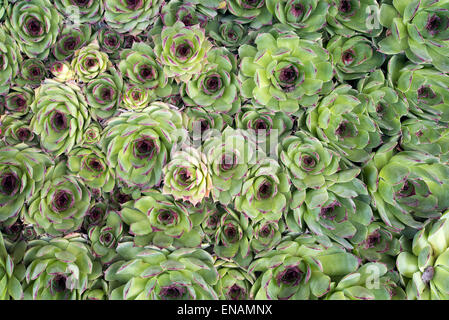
(187, 176)
(418, 29)
(182, 51)
(138, 158)
(351, 17)
(423, 87)
(81, 11)
(59, 207)
(216, 88)
(423, 263)
(288, 76)
(35, 25)
(234, 282)
(354, 57)
(89, 163)
(299, 269)
(265, 192)
(130, 16)
(343, 121)
(184, 274)
(22, 171)
(11, 60)
(156, 219)
(370, 282)
(58, 269)
(407, 188)
(88, 62)
(59, 109)
(104, 94)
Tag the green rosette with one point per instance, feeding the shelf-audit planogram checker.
(131, 16)
(187, 177)
(11, 59)
(104, 94)
(216, 88)
(156, 219)
(182, 51)
(183, 274)
(284, 72)
(265, 192)
(88, 62)
(60, 116)
(423, 263)
(22, 171)
(89, 163)
(299, 269)
(59, 206)
(140, 67)
(35, 24)
(234, 283)
(137, 144)
(59, 268)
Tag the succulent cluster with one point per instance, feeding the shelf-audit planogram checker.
(224, 149)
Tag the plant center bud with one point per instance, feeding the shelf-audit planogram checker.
(111, 41)
(348, 56)
(91, 62)
(145, 148)
(289, 74)
(344, 130)
(9, 184)
(345, 6)
(23, 134)
(62, 201)
(166, 217)
(147, 72)
(183, 50)
(329, 212)
(59, 121)
(228, 162)
(70, 43)
(184, 175)
(260, 124)
(433, 24)
(265, 231)
(96, 165)
(35, 72)
(96, 213)
(236, 292)
(213, 83)
(172, 292)
(232, 35)
(134, 4)
(425, 92)
(290, 276)
(58, 283)
(265, 190)
(107, 239)
(34, 27)
(407, 190)
(428, 274)
(373, 239)
(107, 94)
(297, 9)
(231, 233)
(308, 162)
(20, 102)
